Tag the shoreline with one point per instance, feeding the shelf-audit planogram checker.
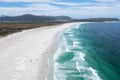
(56, 42)
(25, 53)
(61, 60)
(53, 49)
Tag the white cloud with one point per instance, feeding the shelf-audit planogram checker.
(25, 0)
(38, 9)
(106, 1)
(84, 9)
(31, 7)
(66, 3)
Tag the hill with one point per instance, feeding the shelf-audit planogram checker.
(33, 18)
(96, 19)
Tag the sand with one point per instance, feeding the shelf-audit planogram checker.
(24, 55)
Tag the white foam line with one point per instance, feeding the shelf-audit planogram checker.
(82, 56)
(76, 42)
(96, 77)
(77, 66)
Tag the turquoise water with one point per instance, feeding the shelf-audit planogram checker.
(89, 51)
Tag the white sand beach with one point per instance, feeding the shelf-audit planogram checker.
(24, 55)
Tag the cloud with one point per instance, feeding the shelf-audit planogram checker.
(30, 7)
(99, 8)
(25, 0)
(37, 9)
(107, 1)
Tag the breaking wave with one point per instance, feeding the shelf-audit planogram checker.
(69, 59)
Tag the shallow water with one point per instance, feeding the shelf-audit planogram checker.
(89, 51)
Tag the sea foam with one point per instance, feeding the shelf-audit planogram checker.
(69, 60)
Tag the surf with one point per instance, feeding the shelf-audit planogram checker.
(69, 59)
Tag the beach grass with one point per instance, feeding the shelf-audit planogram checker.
(9, 28)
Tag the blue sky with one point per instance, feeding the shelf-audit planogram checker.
(72, 8)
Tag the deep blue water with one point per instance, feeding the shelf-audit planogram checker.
(89, 51)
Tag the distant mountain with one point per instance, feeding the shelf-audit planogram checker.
(33, 18)
(96, 19)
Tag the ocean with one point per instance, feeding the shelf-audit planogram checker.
(89, 51)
